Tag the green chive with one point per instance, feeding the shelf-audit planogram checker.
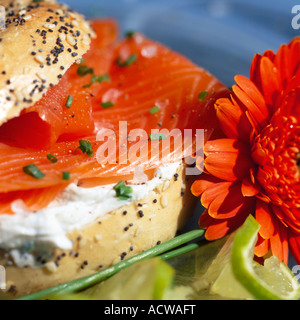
(154, 110)
(107, 104)
(100, 79)
(164, 251)
(129, 34)
(66, 175)
(123, 192)
(35, 1)
(51, 158)
(86, 147)
(127, 62)
(84, 70)
(203, 95)
(33, 171)
(69, 101)
(157, 136)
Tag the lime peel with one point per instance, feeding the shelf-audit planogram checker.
(245, 269)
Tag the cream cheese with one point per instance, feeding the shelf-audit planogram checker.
(42, 231)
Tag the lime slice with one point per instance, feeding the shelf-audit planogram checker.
(234, 274)
(145, 280)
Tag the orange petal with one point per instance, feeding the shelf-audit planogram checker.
(260, 116)
(249, 189)
(263, 215)
(204, 182)
(279, 246)
(294, 245)
(214, 191)
(270, 81)
(228, 205)
(253, 93)
(232, 120)
(231, 164)
(262, 247)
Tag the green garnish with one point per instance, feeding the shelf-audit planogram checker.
(127, 62)
(51, 158)
(157, 136)
(162, 250)
(66, 175)
(35, 1)
(203, 95)
(129, 34)
(102, 78)
(84, 70)
(107, 104)
(86, 147)
(33, 171)
(69, 101)
(123, 192)
(154, 110)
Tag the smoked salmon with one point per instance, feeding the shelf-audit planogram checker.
(135, 81)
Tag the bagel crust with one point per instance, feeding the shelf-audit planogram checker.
(39, 41)
(120, 234)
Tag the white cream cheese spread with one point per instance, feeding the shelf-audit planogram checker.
(42, 231)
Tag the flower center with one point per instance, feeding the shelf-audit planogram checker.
(276, 152)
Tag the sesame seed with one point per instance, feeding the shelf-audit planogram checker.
(38, 58)
(49, 26)
(71, 41)
(164, 202)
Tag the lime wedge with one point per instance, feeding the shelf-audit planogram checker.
(234, 274)
(145, 280)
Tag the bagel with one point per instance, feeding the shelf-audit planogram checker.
(34, 35)
(63, 218)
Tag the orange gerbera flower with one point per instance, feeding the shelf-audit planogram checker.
(255, 168)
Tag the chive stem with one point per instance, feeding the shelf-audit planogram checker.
(83, 283)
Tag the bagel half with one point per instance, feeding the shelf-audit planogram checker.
(120, 234)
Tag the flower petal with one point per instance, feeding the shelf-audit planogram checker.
(248, 188)
(262, 246)
(230, 204)
(263, 215)
(232, 120)
(227, 159)
(204, 182)
(270, 82)
(214, 191)
(258, 114)
(294, 245)
(279, 245)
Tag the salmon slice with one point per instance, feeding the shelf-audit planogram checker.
(149, 87)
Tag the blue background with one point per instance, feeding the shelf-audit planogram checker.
(219, 35)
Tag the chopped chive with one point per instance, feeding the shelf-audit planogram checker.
(154, 110)
(36, 1)
(33, 171)
(203, 95)
(127, 62)
(66, 175)
(157, 136)
(86, 147)
(107, 104)
(123, 192)
(51, 158)
(69, 101)
(84, 70)
(102, 78)
(129, 34)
